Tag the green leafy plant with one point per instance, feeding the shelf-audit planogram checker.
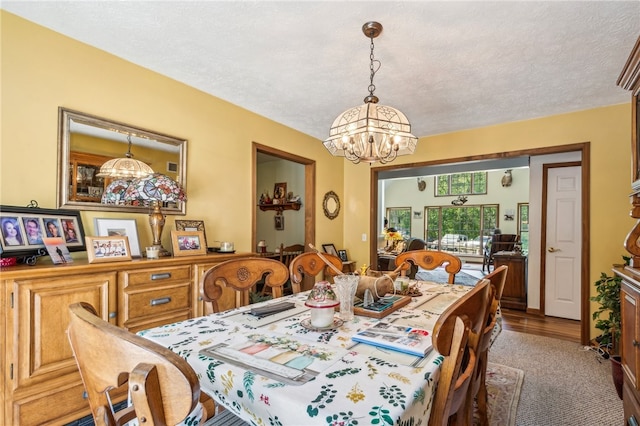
(608, 314)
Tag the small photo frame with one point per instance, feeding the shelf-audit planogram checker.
(188, 243)
(280, 190)
(108, 249)
(331, 249)
(192, 226)
(58, 250)
(119, 228)
(279, 222)
(342, 254)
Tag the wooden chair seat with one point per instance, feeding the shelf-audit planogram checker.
(430, 259)
(241, 275)
(163, 388)
(310, 264)
(456, 336)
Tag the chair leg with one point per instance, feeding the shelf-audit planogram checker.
(481, 398)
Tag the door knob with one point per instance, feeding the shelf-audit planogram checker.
(552, 250)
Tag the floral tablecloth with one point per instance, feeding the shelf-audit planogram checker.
(340, 382)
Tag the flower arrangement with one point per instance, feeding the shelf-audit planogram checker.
(392, 234)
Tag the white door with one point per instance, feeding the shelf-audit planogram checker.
(564, 240)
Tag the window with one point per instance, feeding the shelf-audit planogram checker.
(462, 229)
(461, 184)
(523, 225)
(400, 219)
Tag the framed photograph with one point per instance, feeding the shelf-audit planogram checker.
(280, 190)
(108, 249)
(279, 222)
(188, 243)
(119, 228)
(331, 249)
(58, 250)
(23, 230)
(342, 254)
(192, 225)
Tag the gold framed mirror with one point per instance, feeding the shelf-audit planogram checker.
(331, 205)
(85, 142)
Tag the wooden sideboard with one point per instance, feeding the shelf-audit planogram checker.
(514, 295)
(629, 79)
(41, 382)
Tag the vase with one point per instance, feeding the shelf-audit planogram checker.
(617, 373)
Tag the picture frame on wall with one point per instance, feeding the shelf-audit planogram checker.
(108, 249)
(331, 249)
(119, 228)
(23, 230)
(192, 226)
(280, 190)
(279, 222)
(188, 243)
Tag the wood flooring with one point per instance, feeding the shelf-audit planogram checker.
(558, 328)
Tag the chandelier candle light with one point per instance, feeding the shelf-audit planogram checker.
(125, 168)
(371, 132)
(156, 189)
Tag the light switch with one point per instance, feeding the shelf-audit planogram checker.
(364, 237)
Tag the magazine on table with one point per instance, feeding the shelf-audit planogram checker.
(411, 340)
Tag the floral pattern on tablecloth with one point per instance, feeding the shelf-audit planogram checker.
(364, 386)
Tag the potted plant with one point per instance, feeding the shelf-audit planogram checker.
(608, 320)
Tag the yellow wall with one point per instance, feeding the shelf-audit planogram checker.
(42, 70)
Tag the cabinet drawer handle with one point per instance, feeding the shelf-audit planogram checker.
(160, 301)
(632, 421)
(162, 276)
(113, 314)
(85, 395)
(635, 343)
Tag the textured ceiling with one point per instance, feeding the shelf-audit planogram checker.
(447, 65)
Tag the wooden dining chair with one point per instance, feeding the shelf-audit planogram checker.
(163, 388)
(456, 336)
(478, 388)
(499, 242)
(430, 259)
(310, 264)
(241, 275)
(287, 254)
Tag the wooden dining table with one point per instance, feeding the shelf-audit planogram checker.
(280, 370)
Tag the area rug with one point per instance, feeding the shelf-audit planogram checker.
(439, 275)
(504, 385)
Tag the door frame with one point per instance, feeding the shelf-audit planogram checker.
(585, 150)
(309, 202)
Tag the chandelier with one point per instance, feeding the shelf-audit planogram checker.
(371, 132)
(125, 168)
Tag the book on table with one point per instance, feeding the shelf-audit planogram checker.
(411, 340)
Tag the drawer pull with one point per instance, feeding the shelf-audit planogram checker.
(162, 276)
(113, 314)
(160, 301)
(632, 421)
(85, 395)
(635, 343)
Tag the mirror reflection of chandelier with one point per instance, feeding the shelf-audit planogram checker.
(371, 132)
(125, 167)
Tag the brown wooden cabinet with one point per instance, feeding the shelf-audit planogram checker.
(84, 185)
(630, 291)
(41, 383)
(630, 340)
(514, 295)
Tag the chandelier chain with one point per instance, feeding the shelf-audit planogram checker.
(372, 69)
